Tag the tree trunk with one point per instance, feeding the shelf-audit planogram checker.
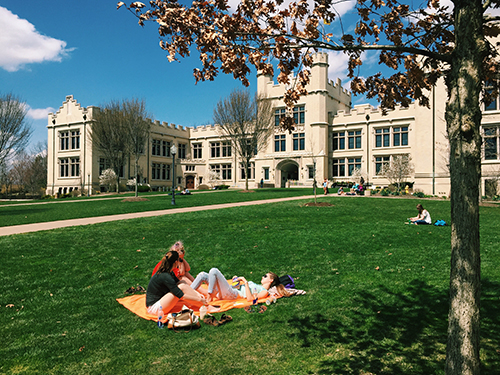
(463, 118)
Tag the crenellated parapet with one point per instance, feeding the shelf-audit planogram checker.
(70, 112)
(368, 113)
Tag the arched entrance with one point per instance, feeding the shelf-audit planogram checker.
(289, 170)
(190, 182)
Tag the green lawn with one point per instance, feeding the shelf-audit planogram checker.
(355, 319)
(16, 213)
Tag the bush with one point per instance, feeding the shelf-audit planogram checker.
(419, 194)
(143, 188)
(385, 192)
(223, 187)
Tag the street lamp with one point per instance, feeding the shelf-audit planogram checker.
(173, 151)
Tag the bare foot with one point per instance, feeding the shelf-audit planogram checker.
(212, 309)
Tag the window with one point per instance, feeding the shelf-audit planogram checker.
(354, 139)
(156, 147)
(64, 167)
(299, 141)
(339, 167)
(278, 114)
(103, 165)
(181, 151)
(266, 173)
(251, 171)
(491, 141)
(299, 114)
(69, 167)
(280, 143)
(352, 164)
(215, 149)
(165, 148)
(155, 171)
(226, 149)
(190, 168)
(494, 104)
(339, 141)
(75, 139)
(380, 161)
(225, 171)
(197, 154)
(64, 140)
(399, 136)
(310, 169)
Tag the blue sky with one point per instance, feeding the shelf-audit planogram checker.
(91, 50)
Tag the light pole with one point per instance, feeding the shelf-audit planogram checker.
(173, 151)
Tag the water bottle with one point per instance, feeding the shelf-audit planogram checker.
(203, 311)
(160, 317)
(270, 299)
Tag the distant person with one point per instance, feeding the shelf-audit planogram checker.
(423, 217)
(261, 183)
(325, 187)
(340, 191)
(185, 191)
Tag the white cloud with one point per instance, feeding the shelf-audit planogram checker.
(337, 68)
(22, 44)
(40, 113)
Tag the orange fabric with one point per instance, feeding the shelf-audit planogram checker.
(137, 304)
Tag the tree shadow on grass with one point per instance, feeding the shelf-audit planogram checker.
(396, 333)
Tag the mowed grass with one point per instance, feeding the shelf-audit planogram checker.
(17, 213)
(376, 299)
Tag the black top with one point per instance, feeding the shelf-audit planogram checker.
(161, 284)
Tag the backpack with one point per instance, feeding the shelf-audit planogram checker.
(440, 223)
(287, 281)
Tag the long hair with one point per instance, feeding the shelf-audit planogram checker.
(420, 208)
(178, 247)
(168, 261)
(279, 286)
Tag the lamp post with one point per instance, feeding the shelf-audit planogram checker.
(173, 151)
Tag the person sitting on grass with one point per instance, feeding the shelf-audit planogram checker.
(218, 287)
(182, 270)
(165, 289)
(423, 217)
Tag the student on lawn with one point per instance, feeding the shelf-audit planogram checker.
(423, 217)
(165, 289)
(218, 287)
(182, 270)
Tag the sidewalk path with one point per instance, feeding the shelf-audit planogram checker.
(26, 228)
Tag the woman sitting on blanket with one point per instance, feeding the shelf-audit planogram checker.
(182, 270)
(165, 289)
(218, 287)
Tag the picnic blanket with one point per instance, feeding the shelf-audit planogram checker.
(137, 304)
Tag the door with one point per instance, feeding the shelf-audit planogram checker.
(190, 182)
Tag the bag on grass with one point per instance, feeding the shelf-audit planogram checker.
(440, 223)
(287, 281)
(183, 319)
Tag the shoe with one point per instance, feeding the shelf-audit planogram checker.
(263, 308)
(210, 320)
(225, 319)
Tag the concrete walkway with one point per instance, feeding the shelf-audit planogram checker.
(26, 228)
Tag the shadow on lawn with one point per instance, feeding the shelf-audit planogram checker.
(397, 333)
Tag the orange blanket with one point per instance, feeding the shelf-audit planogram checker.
(137, 304)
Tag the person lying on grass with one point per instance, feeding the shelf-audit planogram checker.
(165, 289)
(218, 287)
(182, 270)
(423, 217)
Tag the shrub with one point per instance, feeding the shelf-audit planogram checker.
(385, 192)
(419, 194)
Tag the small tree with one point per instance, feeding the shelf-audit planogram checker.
(137, 127)
(109, 178)
(14, 131)
(109, 135)
(246, 123)
(213, 177)
(398, 170)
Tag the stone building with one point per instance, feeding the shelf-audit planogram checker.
(332, 140)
